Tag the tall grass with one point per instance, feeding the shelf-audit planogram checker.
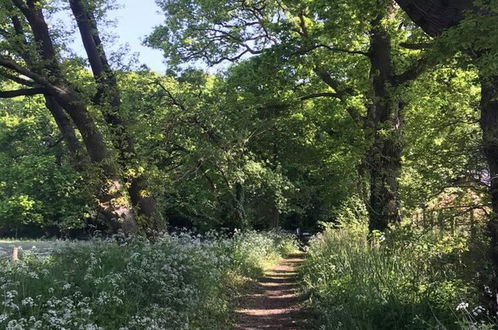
(180, 282)
(408, 279)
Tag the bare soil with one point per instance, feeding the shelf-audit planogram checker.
(274, 301)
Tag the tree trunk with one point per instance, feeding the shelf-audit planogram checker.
(239, 202)
(112, 200)
(489, 126)
(109, 98)
(385, 168)
(68, 132)
(385, 125)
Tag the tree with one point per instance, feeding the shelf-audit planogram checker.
(472, 34)
(109, 99)
(338, 54)
(45, 74)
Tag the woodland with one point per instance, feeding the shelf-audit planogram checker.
(371, 125)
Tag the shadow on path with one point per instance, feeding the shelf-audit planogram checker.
(274, 302)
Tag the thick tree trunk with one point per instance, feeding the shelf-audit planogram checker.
(113, 201)
(109, 98)
(68, 132)
(112, 198)
(385, 168)
(385, 124)
(146, 205)
(489, 126)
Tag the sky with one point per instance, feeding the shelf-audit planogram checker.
(136, 19)
(133, 21)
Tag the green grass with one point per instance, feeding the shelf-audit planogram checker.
(182, 282)
(407, 280)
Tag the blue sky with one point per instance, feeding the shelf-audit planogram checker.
(132, 22)
(136, 19)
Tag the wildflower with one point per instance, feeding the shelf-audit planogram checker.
(478, 310)
(27, 301)
(462, 305)
(487, 290)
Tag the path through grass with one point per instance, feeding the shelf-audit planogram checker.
(274, 301)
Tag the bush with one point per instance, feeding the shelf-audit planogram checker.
(174, 283)
(407, 279)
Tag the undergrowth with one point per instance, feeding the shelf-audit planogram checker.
(181, 282)
(409, 278)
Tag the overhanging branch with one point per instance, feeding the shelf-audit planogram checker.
(415, 46)
(340, 92)
(414, 71)
(22, 92)
(13, 65)
(317, 95)
(17, 79)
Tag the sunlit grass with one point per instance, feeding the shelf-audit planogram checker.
(180, 282)
(407, 279)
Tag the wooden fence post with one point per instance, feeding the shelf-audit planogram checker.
(15, 254)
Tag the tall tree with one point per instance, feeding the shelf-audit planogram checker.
(45, 76)
(437, 17)
(309, 35)
(108, 97)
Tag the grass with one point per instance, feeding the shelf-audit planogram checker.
(182, 282)
(408, 279)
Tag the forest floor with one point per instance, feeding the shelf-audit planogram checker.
(274, 302)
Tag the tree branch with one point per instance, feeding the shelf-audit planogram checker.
(317, 95)
(340, 93)
(304, 51)
(22, 92)
(414, 71)
(342, 50)
(10, 64)
(16, 79)
(417, 46)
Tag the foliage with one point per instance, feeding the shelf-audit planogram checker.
(176, 282)
(38, 186)
(298, 128)
(448, 153)
(407, 279)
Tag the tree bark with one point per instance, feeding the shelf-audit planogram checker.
(109, 98)
(384, 122)
(112, 200)
(68, 132)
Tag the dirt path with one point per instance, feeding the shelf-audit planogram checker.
(274, 302)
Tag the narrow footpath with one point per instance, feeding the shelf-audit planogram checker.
(274, 302)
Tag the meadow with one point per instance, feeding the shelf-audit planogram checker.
(175, 282)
